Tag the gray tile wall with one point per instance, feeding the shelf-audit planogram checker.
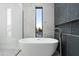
(71, 27)
(75, 28)
(66, 28)
(68, 13)
(71, 45)
(70, 40)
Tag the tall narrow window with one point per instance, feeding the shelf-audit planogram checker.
(39, 21)
(9, 22)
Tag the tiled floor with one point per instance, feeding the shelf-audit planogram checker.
(55, 54)
(9, 52)
(16, 52)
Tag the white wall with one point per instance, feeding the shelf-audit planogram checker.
(5, 42)
(29, 19)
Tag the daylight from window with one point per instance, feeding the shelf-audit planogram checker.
(39, 19)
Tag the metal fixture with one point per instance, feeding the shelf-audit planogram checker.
(59, 33)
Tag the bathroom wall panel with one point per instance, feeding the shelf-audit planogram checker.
(16, 21)
(66, 28)
(60, 13)
(73, 11)
(75, 27)
(66, 12)
(64, 45)
(29, 19)
(73, 48)
(70, 44)
(48, 20)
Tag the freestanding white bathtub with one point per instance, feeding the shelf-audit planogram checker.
(38, 46)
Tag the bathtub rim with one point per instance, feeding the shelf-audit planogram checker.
(23, 42)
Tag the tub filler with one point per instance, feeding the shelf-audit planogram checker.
(37, 46)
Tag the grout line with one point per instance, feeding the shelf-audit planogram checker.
(71, 34)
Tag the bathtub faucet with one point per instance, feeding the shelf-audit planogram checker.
(59, 32)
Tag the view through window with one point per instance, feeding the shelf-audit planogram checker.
(39, 21)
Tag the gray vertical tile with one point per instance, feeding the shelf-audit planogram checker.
(73, 45)
(75, 27)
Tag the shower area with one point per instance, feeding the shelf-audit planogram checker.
(67, 19)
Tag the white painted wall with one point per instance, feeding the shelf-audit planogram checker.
(5, 42)
(29, 19)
